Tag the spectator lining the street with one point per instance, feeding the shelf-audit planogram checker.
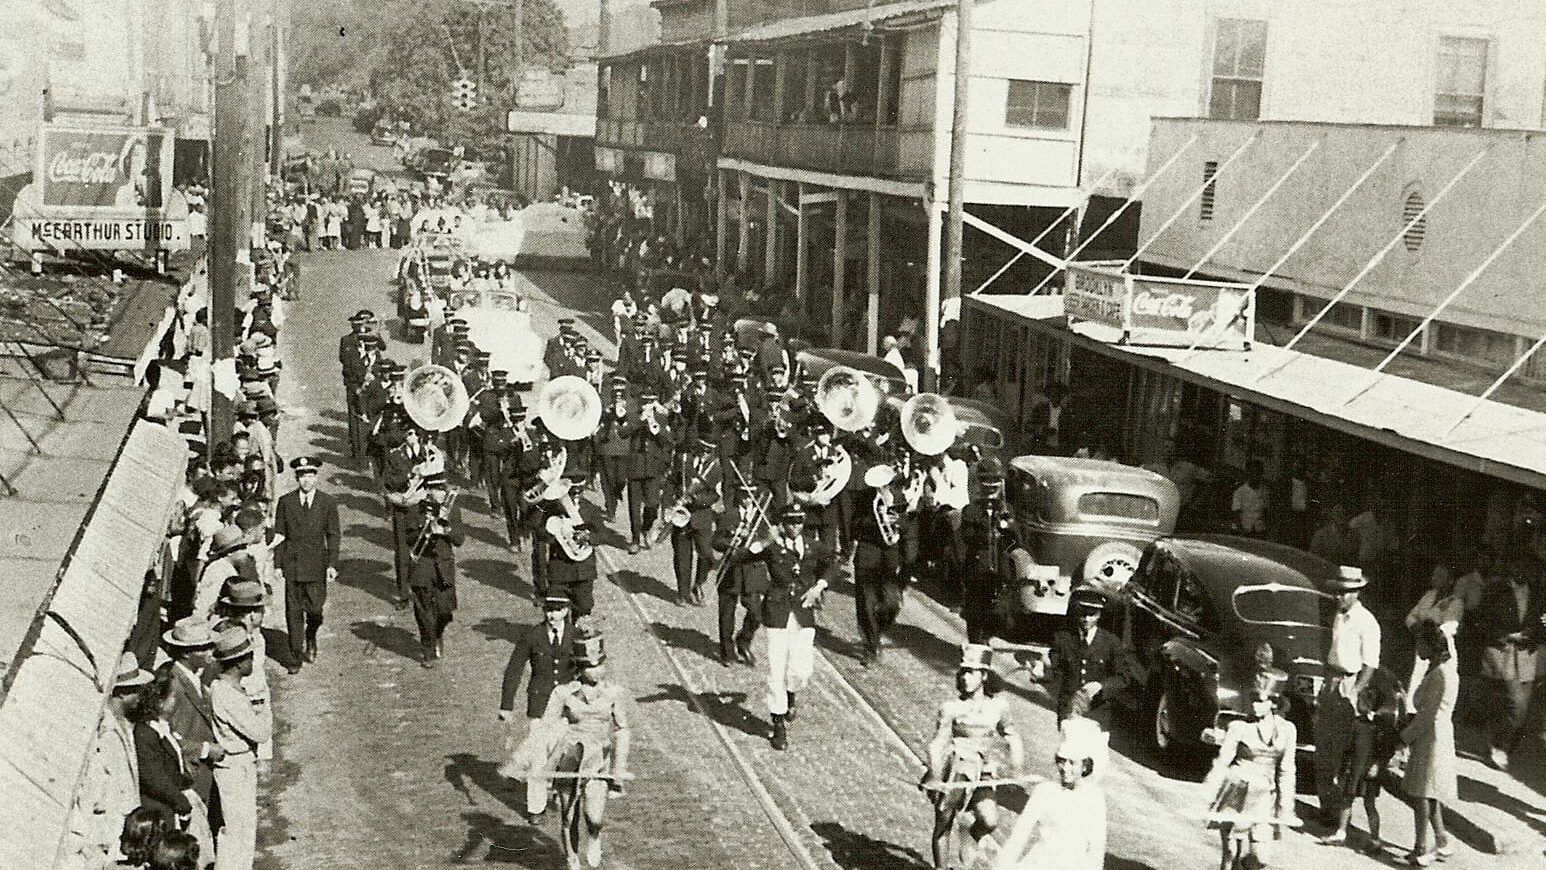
(1248, 503)
(1439, 605)
(1430, 779)
(1512, 618)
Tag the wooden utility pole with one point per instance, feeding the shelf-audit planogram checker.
(279, 35)
(956, 195)
(227, 224)
(257, 59)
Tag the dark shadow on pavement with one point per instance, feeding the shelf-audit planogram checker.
(375, 534)
(689, 639)
(855, 851)
(370, 576)
(507, 843)
(464, 771)
(276, 643)
(501, 574)
(1115, 863)
(726, 708)
(500, 629)
(1475, 791)
(635, 583)
(392, 638)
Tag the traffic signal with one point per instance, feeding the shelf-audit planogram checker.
(464, 94)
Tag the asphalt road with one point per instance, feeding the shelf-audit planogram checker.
(382, 764)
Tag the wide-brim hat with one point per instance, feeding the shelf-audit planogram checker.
(130, 674)
(976, 657)
(246, 594)
(190, 632)
(232, 643)
(1349, 578)
(227, 539)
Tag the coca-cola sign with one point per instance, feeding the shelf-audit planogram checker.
(125, 169)
(1151, 310)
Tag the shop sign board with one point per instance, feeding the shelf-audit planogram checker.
(102, 188)
(608, 159)
(660, 165)
(1155, 310)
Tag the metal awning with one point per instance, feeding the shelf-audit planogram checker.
(814, 25)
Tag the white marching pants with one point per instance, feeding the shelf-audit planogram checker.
(237, 779)
(791, 658)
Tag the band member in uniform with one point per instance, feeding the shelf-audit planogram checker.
(740, 579)
(306, 529)
(351, 357)
(543, 651)
(391, 421)
(408, 466)
(808, 471)
(964, 750)
(649, 461)
(991, 537)
(877, 538)
(692, 405)
(568, 560)
(498, 425)
(613, 444)
(433, 579)
(366, 405)
(775, 448)
(696, 485)
(1089, 666)
(800, 568)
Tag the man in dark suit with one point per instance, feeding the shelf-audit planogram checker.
(743, 581)
(191, 645)
(1512, 619)
(544, 648)
(306, 522)
(433, 574)
(696, 483)
(354, 348)
(800, 568)
(1090, 666)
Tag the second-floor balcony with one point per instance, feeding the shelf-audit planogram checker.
(849, 149)
(650, 135)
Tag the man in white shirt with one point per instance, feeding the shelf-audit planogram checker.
(1351, 659)
(1248, 504)
(238, 729)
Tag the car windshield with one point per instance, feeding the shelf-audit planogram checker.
(1278, 604)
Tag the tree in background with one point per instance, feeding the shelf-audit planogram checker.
(406, 54)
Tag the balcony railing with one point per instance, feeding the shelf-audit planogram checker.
(850, 149)
(668, 136)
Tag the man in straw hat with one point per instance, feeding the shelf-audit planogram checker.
(111, 782)
(1063, 824)
(1351, 660)
(964, 750)
(307, 531)
(191, 645)
(238, 728)
(1090, 666)
(243, 604)
(227, 553)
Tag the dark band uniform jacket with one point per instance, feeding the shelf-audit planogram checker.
(1105, 660)
(550, 667)
(789, 577)
(700, 468)
(558, 570)
(311, 536)
(437, 567)
(746, 577)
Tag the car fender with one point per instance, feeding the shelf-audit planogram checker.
(1194, 675)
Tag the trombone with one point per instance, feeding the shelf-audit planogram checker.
(433, 526)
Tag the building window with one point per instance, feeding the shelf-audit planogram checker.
(1210, 172)
(1239, 60)
(1391, 327)
(1478, 345)
(763, 83)
(1343, 315)
(1043, 105)
(1462, 82)
(1414, 222)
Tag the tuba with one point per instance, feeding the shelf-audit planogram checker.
(928, 424)
(435, 398)
(570, 407)
(569, 531)
(847, 398)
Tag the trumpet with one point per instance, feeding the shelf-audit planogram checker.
(433, 526)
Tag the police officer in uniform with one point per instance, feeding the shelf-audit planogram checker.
(306, 527)
(1089, 666)
(544, 652)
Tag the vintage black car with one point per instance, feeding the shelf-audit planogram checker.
(815, 361)
(1204, 613)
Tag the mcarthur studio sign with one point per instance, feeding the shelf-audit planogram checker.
(1153, 310)
(101, 188)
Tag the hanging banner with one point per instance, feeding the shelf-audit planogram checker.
(102, 188)
(1154, 310)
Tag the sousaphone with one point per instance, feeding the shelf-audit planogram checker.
(847, 398)
(435, 398)
(570, 408)
(928, 424)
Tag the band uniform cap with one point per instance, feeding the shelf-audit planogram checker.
(364, 315)
(646, 396)
(458, 320)
(1082, 740)
(976, 657)
(190, 632)
(879, 475)
(228, 538)
(399, 373)
(304, 464)
(383, 365)
(709, 299)
(1089, 599)
(436, 479)
(647, 338)
(246, 408)
(706, 437)
(727, 337)
(130, 674)
(461, 327)
(484, 355)
(499, 376)
(594, 355)
(700, 371)
(555, 602)
(792, 514)
(746, 487)
(254, 387)
(248, 594)
(463, 344)
(990, 469)
(589, 650)
(1350, 578)
(232, 643)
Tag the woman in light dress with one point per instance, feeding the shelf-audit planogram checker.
(1063, 824)
(1253, 778)
(964, 749)
(1430, 778)
(581, 745)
